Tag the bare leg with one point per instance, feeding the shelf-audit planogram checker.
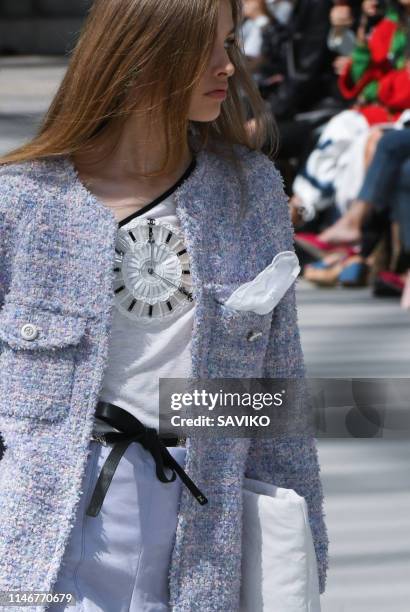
(347, 228)
(405, 298)
(371, 145)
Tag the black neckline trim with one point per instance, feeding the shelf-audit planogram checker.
(162, 197)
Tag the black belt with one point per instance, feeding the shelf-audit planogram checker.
(132, 430)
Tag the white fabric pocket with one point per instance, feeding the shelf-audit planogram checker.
(279, 567)
(263, 293)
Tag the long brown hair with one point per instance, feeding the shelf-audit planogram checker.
(148, 54)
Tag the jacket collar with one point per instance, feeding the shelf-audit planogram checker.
(73, 235)
(190, 205)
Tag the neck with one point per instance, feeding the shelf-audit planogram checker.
(126, 150)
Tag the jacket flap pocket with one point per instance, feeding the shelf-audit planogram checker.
(24, 326)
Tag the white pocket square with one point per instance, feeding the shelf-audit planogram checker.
(263, 292)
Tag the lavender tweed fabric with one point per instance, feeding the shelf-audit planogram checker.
(57, 252)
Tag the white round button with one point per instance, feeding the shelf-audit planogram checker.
(29, 331)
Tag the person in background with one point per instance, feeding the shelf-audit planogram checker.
(386, 190)
(305, 54)
(296, 71)
(335, 169)
(383, 201)
(281, 10)
(257, 16)
(342, 37)
(348, 27)
(376, 56)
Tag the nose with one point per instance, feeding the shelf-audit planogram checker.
(224, 65)
(227, 70)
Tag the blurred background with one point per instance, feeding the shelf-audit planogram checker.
(336, 76)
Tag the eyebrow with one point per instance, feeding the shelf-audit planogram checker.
(232, 31)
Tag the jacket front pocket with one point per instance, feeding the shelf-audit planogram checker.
(37, 361)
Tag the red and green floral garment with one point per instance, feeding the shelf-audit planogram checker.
(378, 75)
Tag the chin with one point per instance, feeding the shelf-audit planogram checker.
(206, 116)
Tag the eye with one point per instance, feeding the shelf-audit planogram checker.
(230, 42)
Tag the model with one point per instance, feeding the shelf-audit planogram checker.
(142, 203)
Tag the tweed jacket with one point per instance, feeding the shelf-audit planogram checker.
(57, 248)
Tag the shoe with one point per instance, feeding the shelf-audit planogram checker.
(324, 274)
(388, 284)
(318, 248)
(355, 274)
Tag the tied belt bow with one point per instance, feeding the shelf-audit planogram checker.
(132, 430)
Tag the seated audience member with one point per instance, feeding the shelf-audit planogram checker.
(348, 24)
(385, 195)
(296, 70)
(335, 169)
(375, 58)
(257, 16)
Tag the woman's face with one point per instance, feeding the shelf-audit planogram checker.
(205, 107)
(370, 7)
(252, 8)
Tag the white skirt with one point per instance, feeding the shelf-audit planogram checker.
(119, 560)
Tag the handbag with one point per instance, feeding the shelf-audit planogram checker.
(279, 566)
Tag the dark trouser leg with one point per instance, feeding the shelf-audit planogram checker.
(381, 177)
(374, 228)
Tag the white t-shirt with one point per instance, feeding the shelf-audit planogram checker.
(142, 351)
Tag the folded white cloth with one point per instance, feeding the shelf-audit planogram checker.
(263, 292)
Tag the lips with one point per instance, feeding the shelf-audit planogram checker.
(217, 94)
(221, 90)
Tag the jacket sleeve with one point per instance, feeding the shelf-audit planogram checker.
(394, 90)
(13, 207)
(286, 460)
